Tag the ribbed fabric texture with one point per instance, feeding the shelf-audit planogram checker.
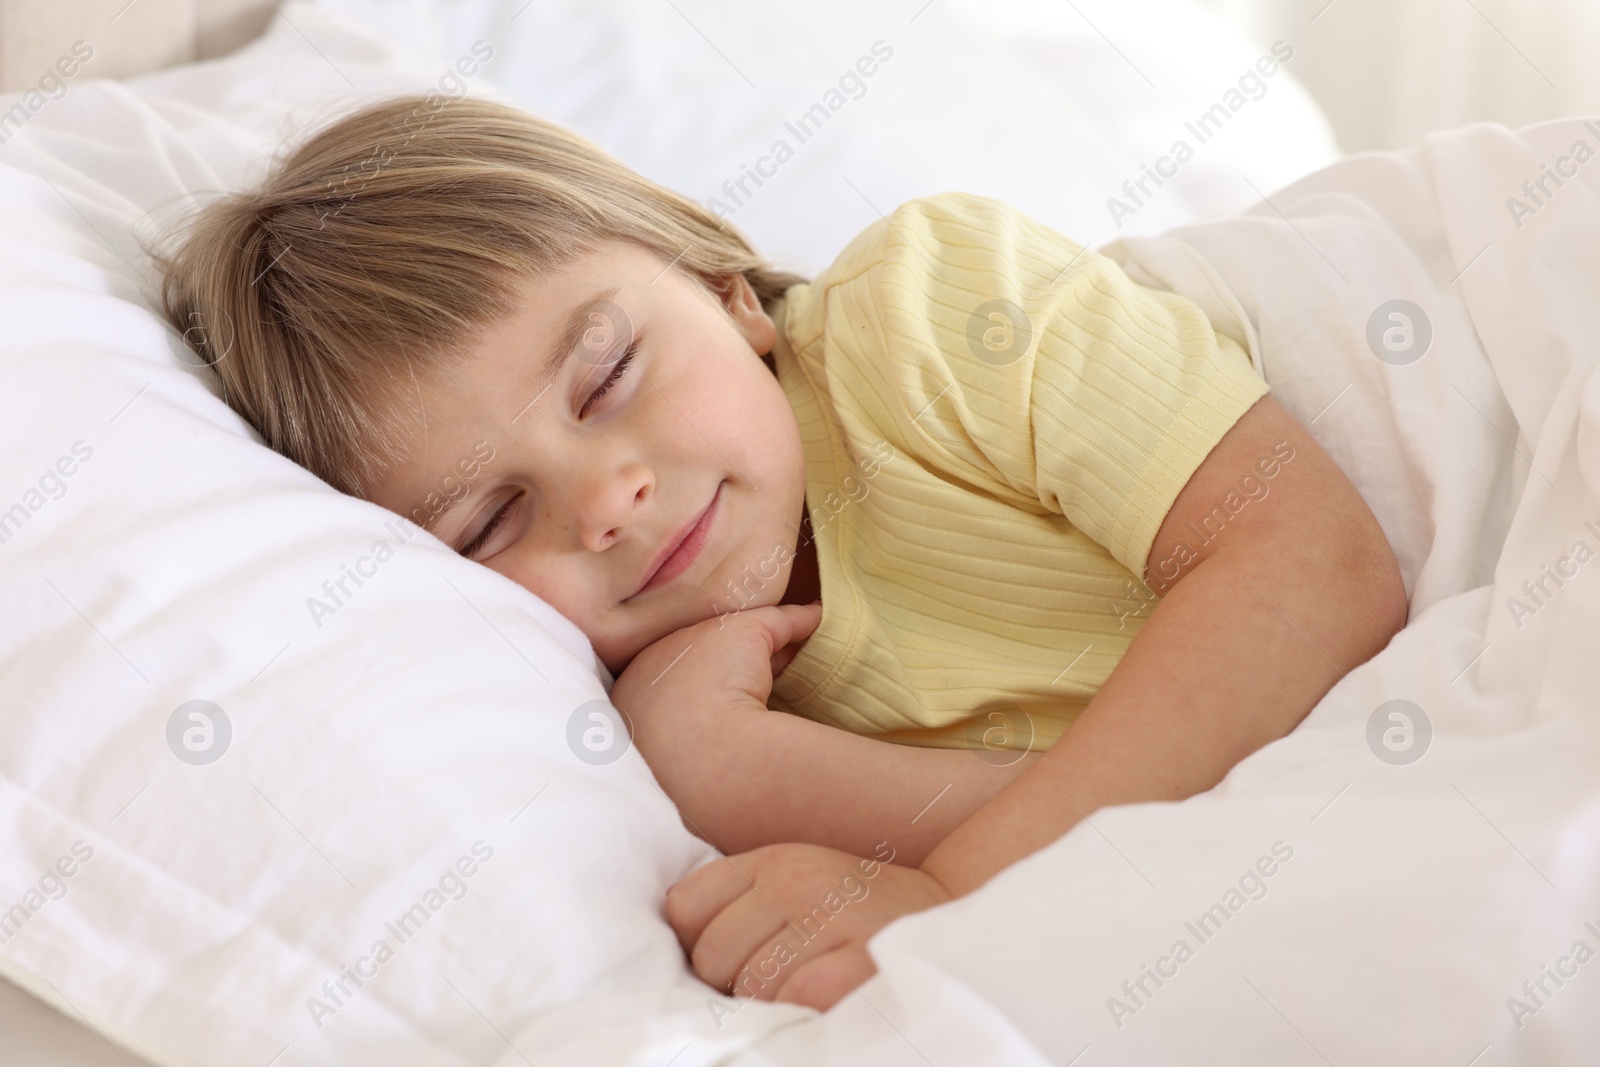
(996, 422)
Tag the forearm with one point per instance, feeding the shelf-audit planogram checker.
(1232, 658)
(769, 777)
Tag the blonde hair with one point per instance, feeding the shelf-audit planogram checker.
(377, 252)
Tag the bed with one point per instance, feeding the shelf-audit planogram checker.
(1430, 830)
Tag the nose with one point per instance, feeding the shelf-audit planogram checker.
(607, 501)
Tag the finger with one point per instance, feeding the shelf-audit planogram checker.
(774, 632)
(787, 626)
(783, 657)
(694, 900)
(787, 623)
(761, 936)
(739, 946)
(822, 982)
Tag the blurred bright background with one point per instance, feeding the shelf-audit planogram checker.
(1389, 71)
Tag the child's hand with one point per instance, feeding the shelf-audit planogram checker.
(676, 690)
(741, 920)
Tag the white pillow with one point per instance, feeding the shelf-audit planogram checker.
(410, 749)
(1050, 107)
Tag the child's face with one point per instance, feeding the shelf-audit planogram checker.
(598, 488)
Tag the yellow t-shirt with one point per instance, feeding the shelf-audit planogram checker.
(996, 422)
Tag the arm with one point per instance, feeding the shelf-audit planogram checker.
(743, 776)
(774, 777)
(1298, 588)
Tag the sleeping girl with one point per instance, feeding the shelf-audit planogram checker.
(902, 570)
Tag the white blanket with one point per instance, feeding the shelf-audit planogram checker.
(1361, 909)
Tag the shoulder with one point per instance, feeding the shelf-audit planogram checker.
(956, 210)
(936, 248)
(929, 229)
(943, 226)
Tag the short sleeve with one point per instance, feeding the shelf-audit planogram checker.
(1016, 360)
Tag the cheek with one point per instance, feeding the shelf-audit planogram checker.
(711, 396)
(585, 607)
(715, 417)
(553, 584)
(757, 419)
(579, 593)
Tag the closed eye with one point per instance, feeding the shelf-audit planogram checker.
(494, 524)
(613, 378)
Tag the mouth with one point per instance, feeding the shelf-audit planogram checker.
(683, 549)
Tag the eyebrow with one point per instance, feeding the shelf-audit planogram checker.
(550, 366)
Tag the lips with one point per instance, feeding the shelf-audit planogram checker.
(682, 549)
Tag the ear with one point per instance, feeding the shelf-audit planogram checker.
(745, 308)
